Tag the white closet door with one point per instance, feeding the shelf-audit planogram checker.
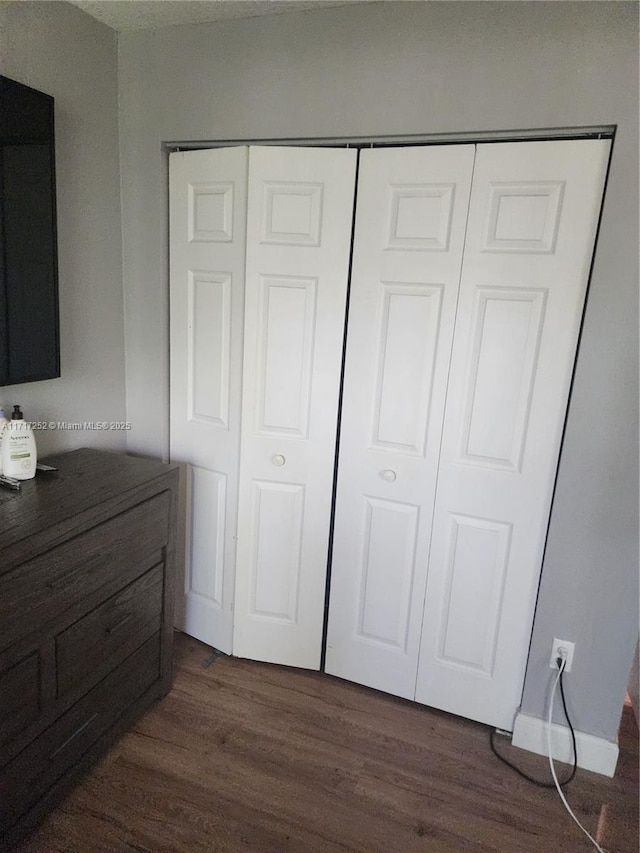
(298, 244)
(410, 226)
(207, 243)
(532, 222)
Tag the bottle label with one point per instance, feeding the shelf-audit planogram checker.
(20, 452)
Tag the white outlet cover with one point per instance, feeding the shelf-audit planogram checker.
(562, 644)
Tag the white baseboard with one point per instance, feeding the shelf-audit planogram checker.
(594, 753)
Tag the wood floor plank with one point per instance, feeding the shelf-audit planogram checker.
(244, 756)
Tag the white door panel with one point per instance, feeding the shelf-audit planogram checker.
(298, 243)
(207, 241)
(410, 224)
(532, 222)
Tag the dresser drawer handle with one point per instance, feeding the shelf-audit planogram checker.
(117, 624)
(73, 736)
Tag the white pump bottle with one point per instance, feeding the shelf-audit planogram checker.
(19, 454)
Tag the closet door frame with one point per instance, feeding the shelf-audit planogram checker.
(576, 132)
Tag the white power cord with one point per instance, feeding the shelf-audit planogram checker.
(553, 770)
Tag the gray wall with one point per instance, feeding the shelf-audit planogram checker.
(401, 68)
(60, 50)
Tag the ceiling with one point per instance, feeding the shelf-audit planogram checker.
(124, 15)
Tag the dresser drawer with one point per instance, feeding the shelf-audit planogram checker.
(110, 633)
(26, 778)
(113, 552)
(19, 696)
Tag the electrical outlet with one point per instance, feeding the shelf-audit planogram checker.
(555, 653)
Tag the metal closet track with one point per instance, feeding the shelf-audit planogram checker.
(531, 134)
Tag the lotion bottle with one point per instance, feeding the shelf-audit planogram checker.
(3, 422)
(19, 455)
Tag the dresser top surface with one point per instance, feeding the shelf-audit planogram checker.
(85, 478)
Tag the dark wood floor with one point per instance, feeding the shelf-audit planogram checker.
(243, 756)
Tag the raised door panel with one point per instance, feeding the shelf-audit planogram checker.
(506, 330)
(475, 564)
(287, 318)
(409, 235)
(207, 242)
(277, 516)
(208, 345)
(406, 349)
(384, 599)
(299, 219)
(532, 223)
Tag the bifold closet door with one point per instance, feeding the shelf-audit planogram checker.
(470, 267)
(300, 210)
(532, 224)
(438, 544)
(409, 235)
(208, 192)
(258, 519)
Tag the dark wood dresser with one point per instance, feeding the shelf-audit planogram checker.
(86, 620)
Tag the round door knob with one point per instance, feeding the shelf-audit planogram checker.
(278, 460)
(388, 475)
